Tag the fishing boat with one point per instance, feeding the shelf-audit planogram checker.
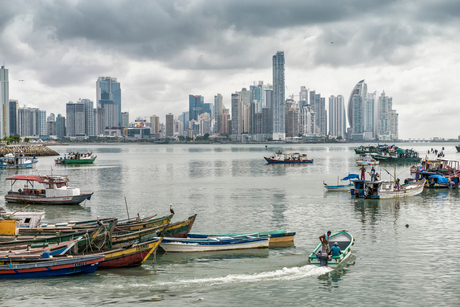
(438, 173)
(16, 160)
(366, 159)
(46, 267)
(277, 237)
(396, 154)
(370, 149)
(53, 250)
(56, 191)
(341, 187)
(129, 256)
(75, 157)
(386, 189)
(187, 245)
(25, 219)
(344, 239)
(294, 158)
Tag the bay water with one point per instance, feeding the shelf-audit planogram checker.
(405, 253)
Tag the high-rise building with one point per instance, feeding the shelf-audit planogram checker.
(31, 122)
(225, 121)
(75, 114)
(307, 121)
(4, 102)
(388, 119)
(278, 96)
(89, 116)
(370, 116)
(155, 120)
(169, 125)
(108, 97)
(41, 122)
(14, 106)
(356, 110)
(218, 109)
(51, 128)
(337, 124)
(60, 126)
(195, 106)
(125, 119)
(99, 121)
(237, 114)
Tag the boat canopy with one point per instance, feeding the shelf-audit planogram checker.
(25, 177)
(351, 176)
(441, 179)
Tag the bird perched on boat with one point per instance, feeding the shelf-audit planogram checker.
(99, 222)
(171, 209)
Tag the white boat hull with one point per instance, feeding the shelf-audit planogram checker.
(338, 188)
(185, 247)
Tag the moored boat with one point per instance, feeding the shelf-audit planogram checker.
(344, 239)
(295, 158)
(385, 189)
(46, 267)
(187, 245)
(17, 160)
(396, 154)
(75, 157)
(56, 191)
(277, 237)
(341, 187)
(366, 159)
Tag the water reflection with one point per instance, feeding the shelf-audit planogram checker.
(331, 280)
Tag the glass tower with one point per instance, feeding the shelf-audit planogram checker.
(108, 97)
(278, 96)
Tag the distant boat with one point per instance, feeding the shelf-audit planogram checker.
(293, 158)
(56, 191)
(187, 245)
(341, 187)
(398, 155)
(17, 160)
(344, 239)
(367, 159)
(75, 157)
(47, 267)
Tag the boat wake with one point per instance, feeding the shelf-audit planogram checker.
(284, 274)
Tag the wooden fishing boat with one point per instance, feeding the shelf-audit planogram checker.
(129, 256)
(344, 239)
(385, 189)
(398, 155)
(45, 267)
(292, 158)
(369, 149)
(17, 161)
(52, 249)
(56, 191)
(75, 157)
(187, 245)
(366, 159)
(277, 237)
(341, 187)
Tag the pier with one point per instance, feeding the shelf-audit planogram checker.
(37, 150)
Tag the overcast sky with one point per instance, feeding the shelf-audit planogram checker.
(162, 51)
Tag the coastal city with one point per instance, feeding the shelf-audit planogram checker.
(260, 112)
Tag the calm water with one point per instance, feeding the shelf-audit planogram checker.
(231, 188)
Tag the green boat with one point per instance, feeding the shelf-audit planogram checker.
(345, 241)
(398, 155)
(75, 157)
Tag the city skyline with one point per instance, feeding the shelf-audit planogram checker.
(328, 48)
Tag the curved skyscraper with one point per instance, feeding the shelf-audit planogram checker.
(356, 110)
(357, 90)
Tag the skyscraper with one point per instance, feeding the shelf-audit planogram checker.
(75, 114)
(89, 116)
(125, 119)
(218, 109)
(60, 126)
(237, 116)
(337, 124)
(14, 106)
(108, 97)
(99, 121)
(195, 106)
(169, 125)
(155, 120)
(387, 119)
(278, 96)
(4, 102)
(356, 112)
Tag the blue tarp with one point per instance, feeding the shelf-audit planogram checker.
(440, 178)
(351, 176)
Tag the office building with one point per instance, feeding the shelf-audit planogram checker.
(125, 119)
(356, 111)
(155, 120)
(13, 117)
(4, 102)
(169, 125)
(237, 114)
(108, 97)
(278, 96)
(195, 106)
(218, 110)
(75, 115)
(337, 124)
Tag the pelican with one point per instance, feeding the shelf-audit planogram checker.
(171, 209)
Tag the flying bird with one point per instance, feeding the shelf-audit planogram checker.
(171, 209)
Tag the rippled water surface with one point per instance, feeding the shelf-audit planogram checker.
(231, 188)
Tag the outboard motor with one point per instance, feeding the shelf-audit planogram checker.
(323, 258)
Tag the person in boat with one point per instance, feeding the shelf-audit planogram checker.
(363, 173)
(376, 177)
(372, 174)
(397, 185)
(325, 241)
(335, 250)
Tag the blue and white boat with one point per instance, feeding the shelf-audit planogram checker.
(187, 245)
(17, 160)
(341, 187)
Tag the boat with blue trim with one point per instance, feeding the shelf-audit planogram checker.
(17, 161)
(341, 187)
(385, 189)
(277, 237)
(345, 241)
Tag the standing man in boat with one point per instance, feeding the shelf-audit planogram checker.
(325, 242)
(363, 173)
(372, 174)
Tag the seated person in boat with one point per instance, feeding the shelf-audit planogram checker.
(335, 250)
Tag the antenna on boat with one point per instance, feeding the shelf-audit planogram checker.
(126, 203)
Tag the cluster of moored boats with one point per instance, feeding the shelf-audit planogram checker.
(431, 173)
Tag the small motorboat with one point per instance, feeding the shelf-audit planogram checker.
(187, 245)
(17, 160)
(366, 159)
(344, 239)
(277, 237)
(386, 189)
(341, 187)
(295, 158)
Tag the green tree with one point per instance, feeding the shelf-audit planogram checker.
(206, 136)
(27, 140)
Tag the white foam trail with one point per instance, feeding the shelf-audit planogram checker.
(278, 275)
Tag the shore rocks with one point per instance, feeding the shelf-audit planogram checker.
(37, 150)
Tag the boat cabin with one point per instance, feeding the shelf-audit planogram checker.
(54, 186)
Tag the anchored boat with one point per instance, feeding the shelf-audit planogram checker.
(366, 159)
(75, 157)
(279, 157)
(17, 160)
(277, 237)
(341, 187)
(56, 191)
(386, 189)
